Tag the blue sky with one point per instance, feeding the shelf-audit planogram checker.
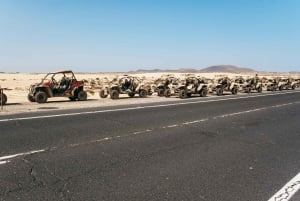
(111, 35)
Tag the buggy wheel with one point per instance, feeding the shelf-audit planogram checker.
(30, 98)
(273, 88)
(72, 98)
(259, 90)
(114, 94)
(131, 94)
(203, 93)
(102, 94)
(167, 93)
(280, 88)
(160, 92)
(219, 91)
(3, 99)
(248, 90)
(41, 97)
(82, 96)
(234, 90)
(294, 87)
(143, 93)
(182, 94)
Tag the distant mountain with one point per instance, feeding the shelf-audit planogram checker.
(226, 69)
(211, 69)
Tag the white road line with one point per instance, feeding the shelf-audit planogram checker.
(194, 122)
(4, 162)
(288, 190)
(143, 107)
(3, 159)
(145, 131)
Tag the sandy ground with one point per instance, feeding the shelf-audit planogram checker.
(18, 83)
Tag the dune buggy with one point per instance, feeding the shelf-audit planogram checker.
(126, 85)
(57, 84)
(225, 84)
(253, 84)
(193, 85)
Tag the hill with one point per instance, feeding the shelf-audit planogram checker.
(226, 69)
(211, 69)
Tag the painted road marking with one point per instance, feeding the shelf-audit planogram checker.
(141, 107)
(4, 159)
(288, 190)
(110, 138)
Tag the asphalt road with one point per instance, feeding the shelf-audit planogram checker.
(230, 148)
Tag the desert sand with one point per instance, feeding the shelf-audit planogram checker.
(18, 84)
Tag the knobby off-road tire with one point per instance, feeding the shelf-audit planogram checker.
(203, 93)
(72, 98)
(160, 92)
(280, 88)
(182, 94)
(30, 98)
(82, 96)
(102, 94)
(248, 90)
(167, 93)
(3, 99)
(259, 90)
(143, 93)
(219, 91)
(131, 94)
(114, 94)
(234, 91)
(41, 97)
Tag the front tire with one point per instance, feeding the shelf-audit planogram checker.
(3, 99)
(234, 91)
(114, 94)
(182, 94)
(41, 97)
(102, 94)
(219, 91)
(143, 93)
(167, 93)
(259, 89)
(203, 93)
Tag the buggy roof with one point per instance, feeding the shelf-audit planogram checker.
(63, 71)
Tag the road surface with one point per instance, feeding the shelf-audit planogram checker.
(229, 148)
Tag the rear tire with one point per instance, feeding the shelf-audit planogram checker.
(82, 96)
(102, 94)
(114, 94)
(143, 93)
(182, 94)
(160, 92)
(3, 99)
(41, 97)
